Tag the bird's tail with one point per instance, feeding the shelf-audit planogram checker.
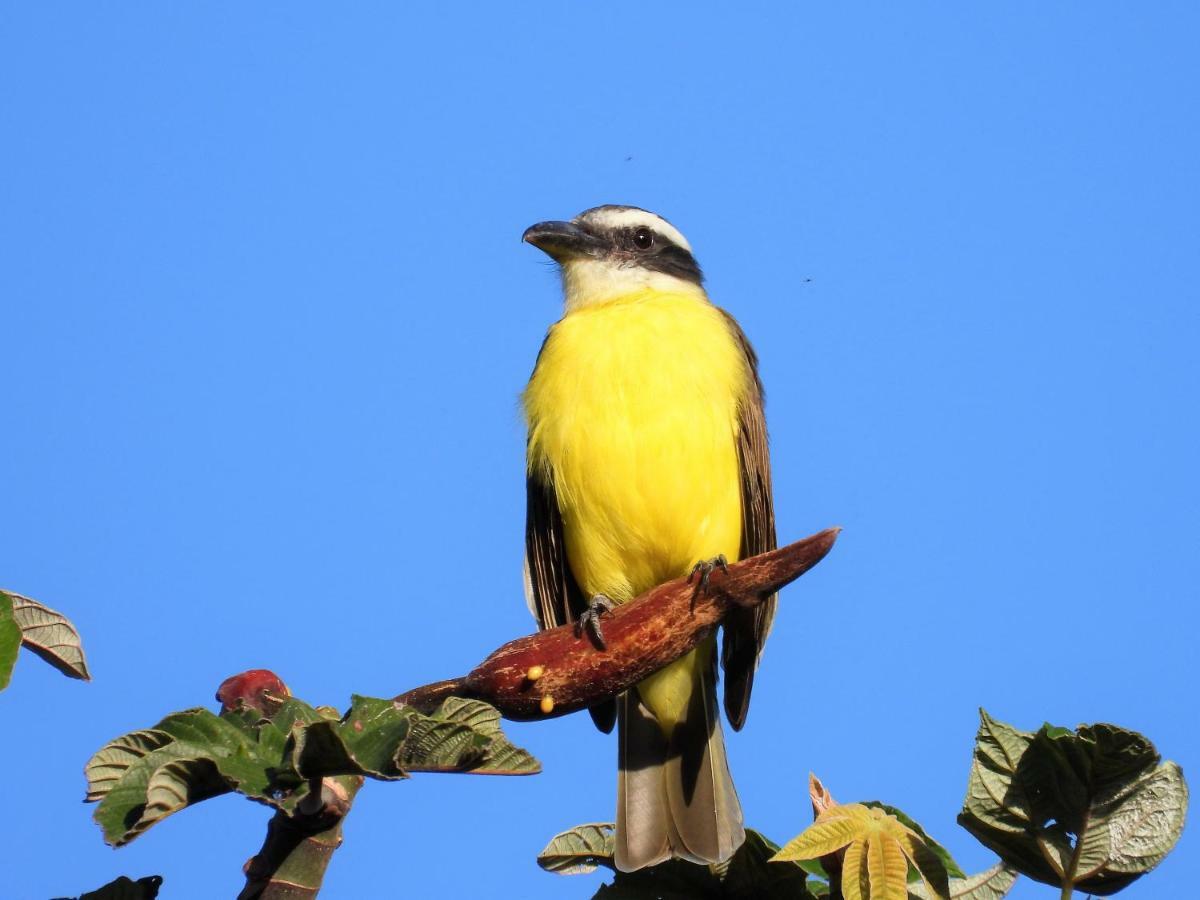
(675, 796)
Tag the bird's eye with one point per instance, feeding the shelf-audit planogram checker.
(643, 239)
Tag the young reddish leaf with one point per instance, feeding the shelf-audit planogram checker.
(257, 689)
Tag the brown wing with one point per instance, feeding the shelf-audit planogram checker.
(745, 631)
(555, 598)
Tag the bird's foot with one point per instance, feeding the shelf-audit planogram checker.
(590, 620)
(704, 569)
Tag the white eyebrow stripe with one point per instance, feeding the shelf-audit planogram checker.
(632, 217)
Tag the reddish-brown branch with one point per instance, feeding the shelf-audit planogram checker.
(570, 673)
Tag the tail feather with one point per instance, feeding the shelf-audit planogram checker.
(644, 829)
(704, 803)
(675, 798)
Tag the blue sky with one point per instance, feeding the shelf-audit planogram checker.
(265, 318)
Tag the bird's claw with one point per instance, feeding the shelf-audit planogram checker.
(704, 569)
(590, 620)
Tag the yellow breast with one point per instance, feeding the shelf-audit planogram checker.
(633, 407)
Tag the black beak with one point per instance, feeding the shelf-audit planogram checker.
(563, 240)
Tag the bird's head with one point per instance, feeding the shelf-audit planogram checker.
(614, 251)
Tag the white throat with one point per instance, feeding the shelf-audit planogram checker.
(590, 281)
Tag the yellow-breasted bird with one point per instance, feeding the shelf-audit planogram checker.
(647, 453)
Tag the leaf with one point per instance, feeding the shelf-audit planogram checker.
(750, 876)
(856, 880)
(10, 639)
(363, 742)
(126, 889)
(745, 876)
(579, 850)
(1093, 808)
(383, 740)
(927, 866)
(672, 880)
(819, 795)
(822, 837)
(435, 745)
(51, 636)
(445, 750)
(881, 852)
(1144, 823)
(322, 749)
(952, 868)
(105, 769)
(142, 777)
(887, 869)
(991, 884)
(177, 784)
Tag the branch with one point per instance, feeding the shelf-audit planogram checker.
(557, 671)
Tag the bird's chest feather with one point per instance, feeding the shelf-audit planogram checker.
(633, 408)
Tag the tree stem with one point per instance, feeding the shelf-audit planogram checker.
(297, 849)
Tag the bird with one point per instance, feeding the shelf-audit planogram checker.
(647, 460)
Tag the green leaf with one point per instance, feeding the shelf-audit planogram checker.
(380, 739)
(177, 784)
(436, 745)
(319, 750)
(813, 867)
(925, 866)
(991, 884)
(749, 874)
(10, 639)
(579, 850)
(292, 713)
(143, 777)
(501, 756)
(107, 767)
(1093, 808)
(50, 635)
(232, 750)
(672, 880)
